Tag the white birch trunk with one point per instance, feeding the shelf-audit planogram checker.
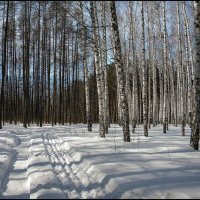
(144, 77)
(98, 69)
(134, 77)
(196, 116)
(165, 71)
(182, 81)
(155, 103)
(120, 73)
(104, 48)
(87, 95)
(190, 64)
(173, 102)
(150, 71)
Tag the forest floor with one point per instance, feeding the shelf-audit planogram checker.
(69, 162)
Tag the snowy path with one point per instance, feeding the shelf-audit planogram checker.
(43, 168)
(16, 183)
(76, 183)
(68, 162)
(43, 181)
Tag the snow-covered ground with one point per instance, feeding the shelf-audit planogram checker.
(69, 162)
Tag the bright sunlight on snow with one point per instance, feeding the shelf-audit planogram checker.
(70, 162)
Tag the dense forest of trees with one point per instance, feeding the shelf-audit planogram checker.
(132, 62)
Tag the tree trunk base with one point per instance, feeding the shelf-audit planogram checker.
(164, 128)
(145, 130)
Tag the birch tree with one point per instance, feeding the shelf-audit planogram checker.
(194, 141)
(165, 71)
(189, 62)
(104, 62)
(144, 76)
(98, 68)
(120, 72)
(87, 95)
(181, 73)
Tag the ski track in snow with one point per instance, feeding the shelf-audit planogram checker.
(46, 155)
(76, 183)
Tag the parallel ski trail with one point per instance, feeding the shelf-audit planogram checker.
(69, 183)
(76, 183)
(43, 181)
(40, 153)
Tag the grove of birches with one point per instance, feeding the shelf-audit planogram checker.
(129, 62)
